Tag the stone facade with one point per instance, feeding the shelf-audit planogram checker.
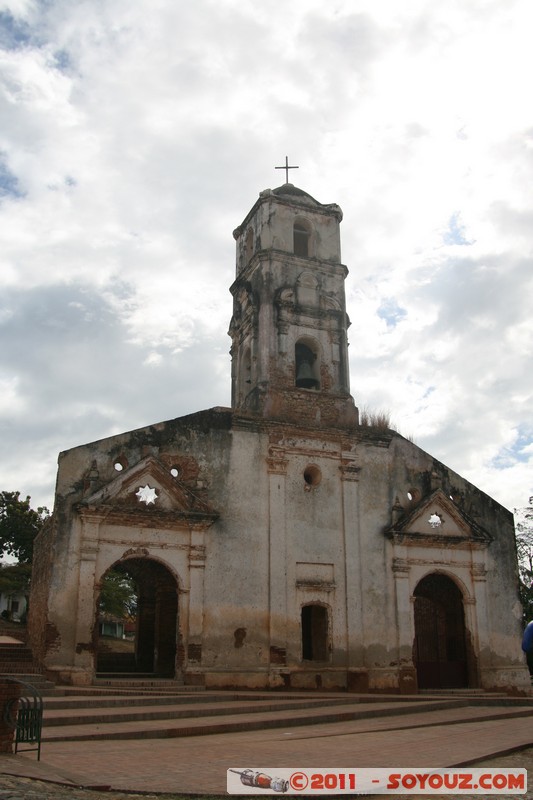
(280, 543)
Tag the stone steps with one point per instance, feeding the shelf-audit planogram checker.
(15, 658)
(16, 661)
(43, 686)
(140, 679)
(109, 699)
(15, 630)
(172, 709)
(128, 691)
(108, 717)
(202, 722)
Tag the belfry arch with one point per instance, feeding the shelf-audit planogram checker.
(440, 651)
(307, 363)
(150, 643)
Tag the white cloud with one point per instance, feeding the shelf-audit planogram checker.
(133, 143)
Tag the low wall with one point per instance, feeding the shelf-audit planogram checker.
(8, 691)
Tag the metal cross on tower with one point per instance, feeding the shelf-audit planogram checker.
(286, 168)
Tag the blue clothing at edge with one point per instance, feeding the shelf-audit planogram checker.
(527, 641)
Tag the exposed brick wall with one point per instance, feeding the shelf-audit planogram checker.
(8, 692)
(38, 633)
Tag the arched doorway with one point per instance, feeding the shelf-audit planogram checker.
(143, 638)
(440, 647)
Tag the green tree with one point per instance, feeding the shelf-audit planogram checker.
(524, 549)
(15, 579)
(19, 525)
(118, 595)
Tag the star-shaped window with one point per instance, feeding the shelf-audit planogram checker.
(146, 494)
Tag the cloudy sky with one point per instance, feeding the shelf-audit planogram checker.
(135, 136)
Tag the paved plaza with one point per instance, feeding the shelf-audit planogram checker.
(197, 765)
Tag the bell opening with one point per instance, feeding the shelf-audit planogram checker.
(305, 368)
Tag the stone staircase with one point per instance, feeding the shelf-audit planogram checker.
(16, 661)
(14, 630)
(136, 709)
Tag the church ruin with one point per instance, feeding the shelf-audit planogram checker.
(279, 543)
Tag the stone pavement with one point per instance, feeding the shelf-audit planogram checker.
(22, 788)
(197, 765)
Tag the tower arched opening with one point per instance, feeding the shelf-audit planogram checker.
(301, 238)
(307, 364)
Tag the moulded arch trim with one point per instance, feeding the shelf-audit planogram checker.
(304, 223)
(140, 556)
(307, 280)
(310, 342)
(466, 595)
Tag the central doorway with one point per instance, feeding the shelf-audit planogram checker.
(141, 639)
(440, 648)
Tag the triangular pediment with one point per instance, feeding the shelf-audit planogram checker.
(148, 490)
(437, 521)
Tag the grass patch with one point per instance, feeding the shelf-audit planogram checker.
(379, 420)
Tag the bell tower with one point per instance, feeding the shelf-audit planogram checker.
(289, 326)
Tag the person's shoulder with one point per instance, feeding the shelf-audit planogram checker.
(527, 640)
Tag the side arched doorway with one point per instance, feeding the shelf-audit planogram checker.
(440, 642)
(144, 638)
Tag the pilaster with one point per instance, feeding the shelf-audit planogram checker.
(277, 476)
(350, 471)
(85, 618)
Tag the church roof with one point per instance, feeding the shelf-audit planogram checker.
(289, 189)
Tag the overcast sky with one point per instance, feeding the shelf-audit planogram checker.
(135, 136)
